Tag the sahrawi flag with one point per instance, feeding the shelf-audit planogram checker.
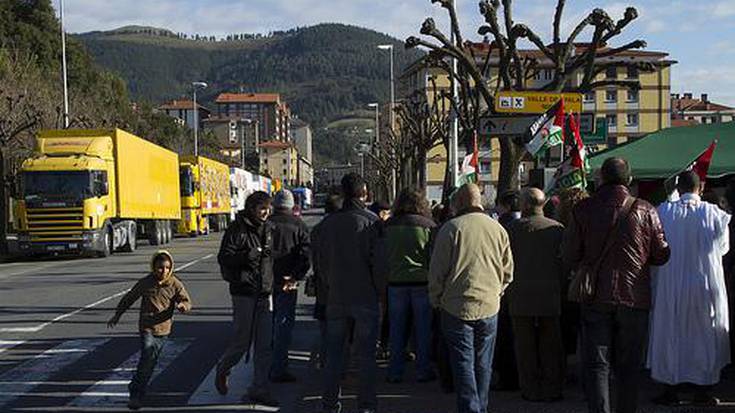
(546, 131)
(573, 172)
(470, 168)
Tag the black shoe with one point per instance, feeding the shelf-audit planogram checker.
(134, 403)
(705, 399)
(668, 398)
(263, 399)
(286, 377)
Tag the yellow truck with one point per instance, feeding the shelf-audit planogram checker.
(96, 191)
(205, 195)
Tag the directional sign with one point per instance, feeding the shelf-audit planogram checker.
(505, 125)
(535, 102)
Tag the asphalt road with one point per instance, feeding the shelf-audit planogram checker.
(57, 355)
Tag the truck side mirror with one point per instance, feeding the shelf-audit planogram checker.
(104, 188)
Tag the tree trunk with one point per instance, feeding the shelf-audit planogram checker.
(4, 208)
(421, 169)
(510, 158)
(447, 186)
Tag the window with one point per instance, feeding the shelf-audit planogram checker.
(548, 74)
(632, 72)
(285, 172)
(611, 72)
(713, 119)
(284, 161)
(611, 96)
(632, 119)
(632, 95)
(589, 97)
(612, 121)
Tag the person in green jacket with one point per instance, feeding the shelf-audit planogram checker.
(407, 248)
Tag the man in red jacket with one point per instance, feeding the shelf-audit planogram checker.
(615, 320)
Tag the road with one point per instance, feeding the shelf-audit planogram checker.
(57, 355)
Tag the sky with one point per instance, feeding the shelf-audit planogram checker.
(699, 35)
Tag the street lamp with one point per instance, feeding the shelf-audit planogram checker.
(195, 86)
(249, 122)
(392, 107)
(454, 135)
(63, 65)
(377, 124)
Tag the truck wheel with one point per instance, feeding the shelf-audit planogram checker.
(166, 232)
(154, 235)
(132, 243)
(108, 240)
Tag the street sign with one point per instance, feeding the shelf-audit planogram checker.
(599, 136)
(535, 102)
(587, 122)
(505, 125)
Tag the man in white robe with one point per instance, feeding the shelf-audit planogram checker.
(689, 342)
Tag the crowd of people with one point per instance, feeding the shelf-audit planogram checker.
(485, 298)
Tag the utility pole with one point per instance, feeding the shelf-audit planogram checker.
(391, 112)
(196, 85)
(63, 65)
(454, 135)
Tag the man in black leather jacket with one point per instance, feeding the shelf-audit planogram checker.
(247, 265)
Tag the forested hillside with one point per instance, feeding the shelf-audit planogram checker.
(322, 71)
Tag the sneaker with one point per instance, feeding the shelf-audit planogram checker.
(263, 398)
(220, 382)
(134, 403)
(705, 399)
(286, 377)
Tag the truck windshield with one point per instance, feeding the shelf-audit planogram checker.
(57, 186)
(186, 182)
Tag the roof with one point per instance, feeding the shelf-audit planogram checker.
(663, 154)
(249, 98)
(677, 123)
(275, 145)
(181, 104)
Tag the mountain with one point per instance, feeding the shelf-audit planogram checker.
(322, 71)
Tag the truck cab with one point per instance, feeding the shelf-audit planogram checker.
(192, 222)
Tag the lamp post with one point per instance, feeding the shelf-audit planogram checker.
(63, 65)
(195, 86)
(377, 123)
(454, 135)
(392, 108)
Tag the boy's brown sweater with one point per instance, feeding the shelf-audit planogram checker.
(158, 303)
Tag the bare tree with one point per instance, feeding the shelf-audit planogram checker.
(515, 69)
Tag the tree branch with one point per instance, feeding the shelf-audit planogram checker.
(637, 44)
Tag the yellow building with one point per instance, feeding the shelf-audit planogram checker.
(280, 161)
(626, 114)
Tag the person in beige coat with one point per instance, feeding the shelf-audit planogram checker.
(470, 267)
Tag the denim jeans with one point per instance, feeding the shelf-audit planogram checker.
(284, 315)
(366, 320)
(471, 345)
(252, 322)
(150, 349)
(401, 302)
(613, 337)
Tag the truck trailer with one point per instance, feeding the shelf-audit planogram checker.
(92, 192)
(205, 195)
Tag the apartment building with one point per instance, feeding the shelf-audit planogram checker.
(272, 114)
(183, 111)
(280, 161)
(686, 109)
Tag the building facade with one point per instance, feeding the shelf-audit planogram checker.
(685, 109)
(235, 136)
(623, 114)
(183, 111)
(280, 161)
(271, 113)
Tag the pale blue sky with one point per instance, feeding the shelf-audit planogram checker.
(700, 35)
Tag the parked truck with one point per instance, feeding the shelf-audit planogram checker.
(92, 192)
(205, 195)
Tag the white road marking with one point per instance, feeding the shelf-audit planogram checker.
(240, 379)
(101, 395)
(43, 366)
(37, 328)
(7, 344)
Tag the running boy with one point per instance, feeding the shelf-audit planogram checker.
(161, 293)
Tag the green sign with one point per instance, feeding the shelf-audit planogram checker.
(600, 135)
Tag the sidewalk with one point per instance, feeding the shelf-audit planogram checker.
(413, 397)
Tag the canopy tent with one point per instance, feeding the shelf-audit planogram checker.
(663, 154)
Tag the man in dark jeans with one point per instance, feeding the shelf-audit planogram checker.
(291, 245)
(345, 270)
(615, 321)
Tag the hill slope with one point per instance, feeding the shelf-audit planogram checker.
(322, 71)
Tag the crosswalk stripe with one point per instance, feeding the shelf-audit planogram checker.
(241, 376)
(41, 367)
(7, 344)
(113, 389)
